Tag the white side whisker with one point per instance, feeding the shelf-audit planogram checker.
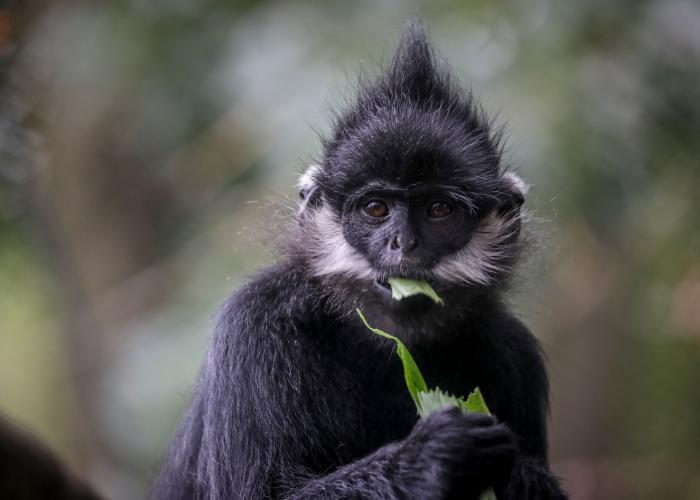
(484, 256)
(329, 251)
(307, 180)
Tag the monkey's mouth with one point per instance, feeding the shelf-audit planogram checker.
(383, 287)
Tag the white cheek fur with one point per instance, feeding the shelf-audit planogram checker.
(329, 251)
(482, 257)
(517, 182)
(307, 179)
(306, 184)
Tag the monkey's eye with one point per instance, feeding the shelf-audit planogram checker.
(376, 209)
(439, 209)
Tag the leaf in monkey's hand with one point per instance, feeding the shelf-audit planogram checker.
(414, 379)
(436, 399)
(429, 400)
(403, 287)
(475, 403)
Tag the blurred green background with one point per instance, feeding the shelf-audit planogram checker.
(148, 149)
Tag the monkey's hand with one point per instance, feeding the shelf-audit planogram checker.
(447, 454)
(450, 451)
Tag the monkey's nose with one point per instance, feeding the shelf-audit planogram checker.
(404, 243)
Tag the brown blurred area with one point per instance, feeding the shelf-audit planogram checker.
(141, 144)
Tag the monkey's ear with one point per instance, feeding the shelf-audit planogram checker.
(516, 189)
(309, 192)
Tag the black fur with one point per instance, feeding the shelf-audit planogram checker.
(296, 399)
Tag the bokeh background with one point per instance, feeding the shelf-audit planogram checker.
(147, 147)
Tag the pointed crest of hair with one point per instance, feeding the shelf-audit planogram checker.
(412, 72)
(415, 81)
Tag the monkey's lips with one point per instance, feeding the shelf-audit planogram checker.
(383, 287)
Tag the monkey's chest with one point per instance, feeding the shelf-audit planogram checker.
(380, 407)
(365, 389)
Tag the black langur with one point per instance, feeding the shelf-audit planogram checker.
(297, 399)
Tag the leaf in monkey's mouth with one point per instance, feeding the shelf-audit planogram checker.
(404, 287)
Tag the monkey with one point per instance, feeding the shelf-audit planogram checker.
(29, 470)
(297, 399)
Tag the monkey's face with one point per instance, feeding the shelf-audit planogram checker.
(414, 212)
(410, 184)
(407, 231)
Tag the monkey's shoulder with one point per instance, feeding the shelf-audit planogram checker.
(281, 292)
(273, 333)
(516, 383)
(516, 353)
(278, 310)
(512, 333)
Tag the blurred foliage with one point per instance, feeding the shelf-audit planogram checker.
(147, 156)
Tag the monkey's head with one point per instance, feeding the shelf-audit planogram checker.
(411, 183)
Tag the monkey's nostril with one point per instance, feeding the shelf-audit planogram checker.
(394, 244)
(411, 244)
(404, 244)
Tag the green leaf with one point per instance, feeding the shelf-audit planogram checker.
(435, 399)
(489, 494)
(403, 287)
(414, 379)
(475, 403)
(428, 400)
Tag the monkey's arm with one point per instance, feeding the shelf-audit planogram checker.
(447, 450)
(531, 479)
(522, 401)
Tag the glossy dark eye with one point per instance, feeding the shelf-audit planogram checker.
(376, 209)
(439, 209)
